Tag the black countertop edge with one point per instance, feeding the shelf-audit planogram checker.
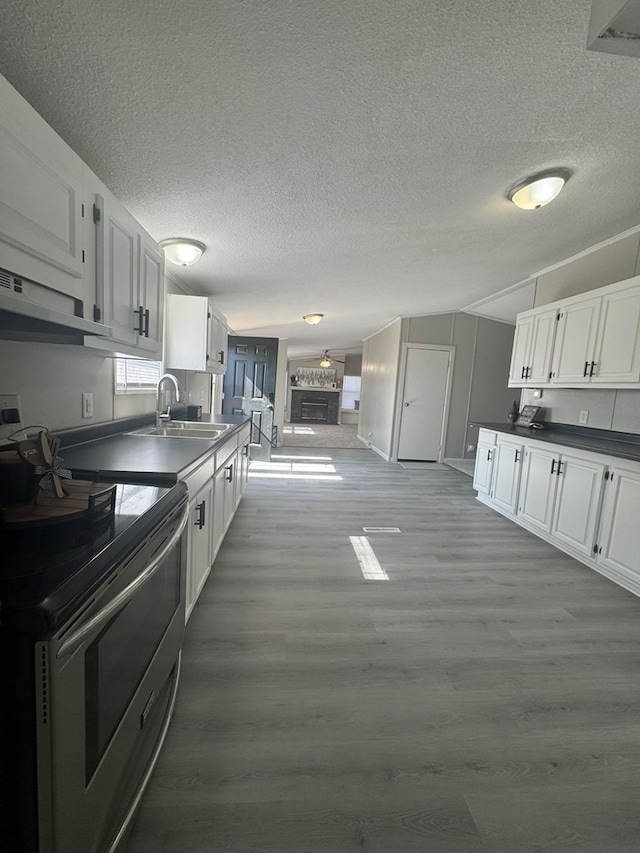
(624, 445)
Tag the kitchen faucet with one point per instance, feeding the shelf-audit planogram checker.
(160, 415)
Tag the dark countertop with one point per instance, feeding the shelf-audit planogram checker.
(621, 444)
(142, 458)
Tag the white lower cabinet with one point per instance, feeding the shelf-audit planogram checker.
(506, 474)
(199, 543)
(215, 490)
(538, 487)
(577, 503)
(587, 504)
(485, 454)
(618, 548)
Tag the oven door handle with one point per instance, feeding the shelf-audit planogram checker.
(91, 626)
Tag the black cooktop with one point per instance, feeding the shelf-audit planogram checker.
(46, 572)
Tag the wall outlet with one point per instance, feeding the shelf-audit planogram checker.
(537, 393)
(470, 448)
(10, 414)
(584, 416)
(87, 405)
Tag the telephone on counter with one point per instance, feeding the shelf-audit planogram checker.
(527, 417)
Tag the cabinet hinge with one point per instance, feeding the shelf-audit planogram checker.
(96, 314)
(96, 214)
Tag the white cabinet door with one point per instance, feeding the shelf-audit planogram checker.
(506, 475)
(575, 518)
(40, 199)
(151, 293)
(194, 335)
(617, 354)
(574, 349)
(619, 545)
(484, 468)
(520, 352)
(542, 341)
(537, 487)
(219, 488)
(199, 557)
(230, 481)
(117, 270)
(130, 274)
(217, 343)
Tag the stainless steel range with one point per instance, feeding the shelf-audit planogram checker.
(91, 626)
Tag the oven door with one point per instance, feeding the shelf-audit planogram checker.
(106, 684)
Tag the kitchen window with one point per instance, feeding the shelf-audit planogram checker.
(136, 375)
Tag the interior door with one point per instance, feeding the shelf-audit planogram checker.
(250, 382)
(423, 404)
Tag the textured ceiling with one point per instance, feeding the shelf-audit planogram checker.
(342, 156)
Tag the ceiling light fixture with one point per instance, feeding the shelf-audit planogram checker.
(325, 361)
(313, 319)
(182, 252)
(538, 190)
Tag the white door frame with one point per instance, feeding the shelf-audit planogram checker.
(400, 394)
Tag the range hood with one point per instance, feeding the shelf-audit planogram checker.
(31, 312)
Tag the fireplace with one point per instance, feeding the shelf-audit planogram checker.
(314, 410)
(309, 406)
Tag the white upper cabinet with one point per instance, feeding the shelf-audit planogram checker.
(575, 342)
(99, 271)
(196, 335)
(130, 279)
(591, 339)
(40, 199)
(617, 353)
(533, 347)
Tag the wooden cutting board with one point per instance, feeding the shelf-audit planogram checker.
(84, 500)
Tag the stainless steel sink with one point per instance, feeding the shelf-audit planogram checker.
(184, 429)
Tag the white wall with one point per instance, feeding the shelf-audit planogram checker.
(380, 366)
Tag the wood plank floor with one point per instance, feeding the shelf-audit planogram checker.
(485, 698)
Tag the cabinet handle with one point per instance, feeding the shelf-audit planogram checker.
(140, 327)
(586, 369)
(221, 356)
(527, 372)
(201, 510)
(488, 455)
(522, 374)
(517, 459)
(146, 323)
(245, 450)
(592, 368)
(559, 471)
(229, 476)
(553, 466)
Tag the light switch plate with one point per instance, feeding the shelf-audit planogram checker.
(9, 404)
(584, 416)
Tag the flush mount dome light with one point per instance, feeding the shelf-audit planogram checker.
(313, 319)
(182, 252)
(538, 190)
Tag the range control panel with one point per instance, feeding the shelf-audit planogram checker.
(10, 415)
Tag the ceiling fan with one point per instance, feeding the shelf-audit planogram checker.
(326, 359)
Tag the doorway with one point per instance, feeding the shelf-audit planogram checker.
(425, 402)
